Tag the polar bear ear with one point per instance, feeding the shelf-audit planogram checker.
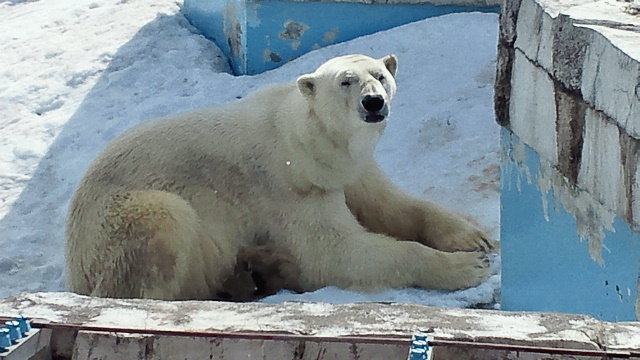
(307, 85)
(391, 63)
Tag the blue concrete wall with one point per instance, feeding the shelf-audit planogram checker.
(545, 265)
(269, 33)
(224, 22)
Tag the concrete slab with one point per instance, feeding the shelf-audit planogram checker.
(217, 330)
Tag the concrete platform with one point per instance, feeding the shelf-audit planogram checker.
(92, 328)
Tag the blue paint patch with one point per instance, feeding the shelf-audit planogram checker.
(275, 32)
(545, 265)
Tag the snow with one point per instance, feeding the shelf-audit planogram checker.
(73, 75)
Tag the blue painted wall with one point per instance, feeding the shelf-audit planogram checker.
(545, 265)
(266, 43)
(215, 19)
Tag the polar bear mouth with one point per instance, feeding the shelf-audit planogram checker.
(374, 118)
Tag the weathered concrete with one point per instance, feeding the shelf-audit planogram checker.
(104, 345)
(585, 49)
(34, 345)
(568, 88)
(149, 329)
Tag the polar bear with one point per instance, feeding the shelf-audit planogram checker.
(165, 209)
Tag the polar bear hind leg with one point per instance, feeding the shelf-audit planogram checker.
(155, 249)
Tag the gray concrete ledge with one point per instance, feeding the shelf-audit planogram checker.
(117, 328)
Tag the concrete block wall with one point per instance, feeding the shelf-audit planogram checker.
(104, 345)
(260, 35)
(568, 97)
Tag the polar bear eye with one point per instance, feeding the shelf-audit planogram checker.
(345, 83)
(381, 78)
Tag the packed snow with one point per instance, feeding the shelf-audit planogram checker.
(75, 74)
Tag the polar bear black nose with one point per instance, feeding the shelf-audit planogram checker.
(373, 103)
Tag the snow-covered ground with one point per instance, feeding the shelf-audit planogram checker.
(74, 74)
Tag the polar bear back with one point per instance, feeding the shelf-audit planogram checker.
(200, 147)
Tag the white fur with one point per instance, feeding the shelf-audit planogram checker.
(162, 212)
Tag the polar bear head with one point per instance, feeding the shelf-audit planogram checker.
(356, 89)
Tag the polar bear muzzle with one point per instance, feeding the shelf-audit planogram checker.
(376, 109)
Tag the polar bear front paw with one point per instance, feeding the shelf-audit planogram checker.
(462, 270)
(468, 238)
(453, 233)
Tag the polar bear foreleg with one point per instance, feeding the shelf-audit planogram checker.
(382, 207)
(367, 262)
(344, 254)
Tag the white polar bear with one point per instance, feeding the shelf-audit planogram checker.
(164, 210)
